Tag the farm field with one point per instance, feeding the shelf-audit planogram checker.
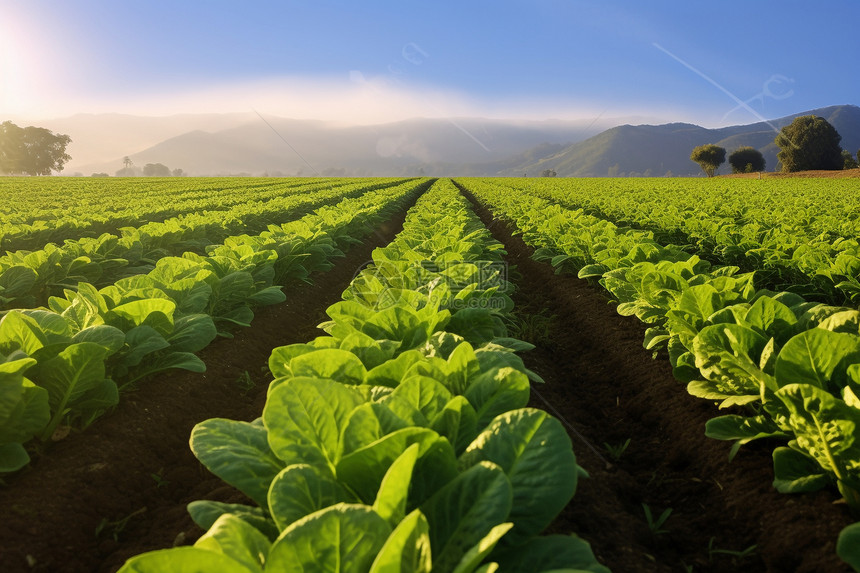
(742, 297)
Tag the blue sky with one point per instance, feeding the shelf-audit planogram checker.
(713, 64)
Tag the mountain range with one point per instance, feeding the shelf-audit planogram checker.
(254, 144)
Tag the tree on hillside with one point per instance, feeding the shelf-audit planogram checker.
(709, 157)
(809, 142)
(127, 162)
(746, 160)
(31, 150)
(156, 170)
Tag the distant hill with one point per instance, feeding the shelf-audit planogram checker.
(658, 149)
(246, 143)
(287, 146)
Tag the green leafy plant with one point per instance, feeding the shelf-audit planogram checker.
(116, 527)
(159, 481)
(655, 525)
(617, 450)
(749, 551)
(245, 382)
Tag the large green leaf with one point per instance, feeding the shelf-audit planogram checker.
(818, 357)
(110, 337)
(19, 330)
(795, 472)
(156, 313)
(391, 372)
(238, 453)
(13, 457)
(727, 355)
(550, 553)
(141, 341)
(183, 560)
(192, 333)
(75, 370)
(205, 513)
(771, 318)
(300, 490)
(534, 451)
(458, 422)
(420, 396)
(29, 413)
(17, 281)
(742, 429)
(305, 418)
(367, 424)
(407, 549)
(335, 364)
(233, 537)
(364, 469)
(826, 429)
(464, 511)
(393, 492)
(496, 392)
(848, 545)
(340, 539)
(11, 380)
(474, 556)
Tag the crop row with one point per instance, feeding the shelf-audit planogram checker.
(792, 367)
(90, 207)
(400, 441)
(28, 278)
(66, 364)
(799, 235)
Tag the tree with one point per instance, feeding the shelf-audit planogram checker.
(848, 161)
(746, 160)
(809, 142)
(31, 150)
(548, 173)
(709, 157)
(156, 170)
(178, 172)
(127, 162)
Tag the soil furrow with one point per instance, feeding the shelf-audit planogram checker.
(725, 515)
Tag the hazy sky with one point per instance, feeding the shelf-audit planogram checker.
(713, 63)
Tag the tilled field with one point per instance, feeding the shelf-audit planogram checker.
(121, 487)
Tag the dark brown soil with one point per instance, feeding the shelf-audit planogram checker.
(607, 388)
(120, 488)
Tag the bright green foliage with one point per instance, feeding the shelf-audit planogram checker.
(793, 364)
(93, 342)
(363, 427)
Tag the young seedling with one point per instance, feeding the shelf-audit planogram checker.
(615, 451)
(118, 525)
(245, 382)
(655, 525)
(159, 481)
(737, 554)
